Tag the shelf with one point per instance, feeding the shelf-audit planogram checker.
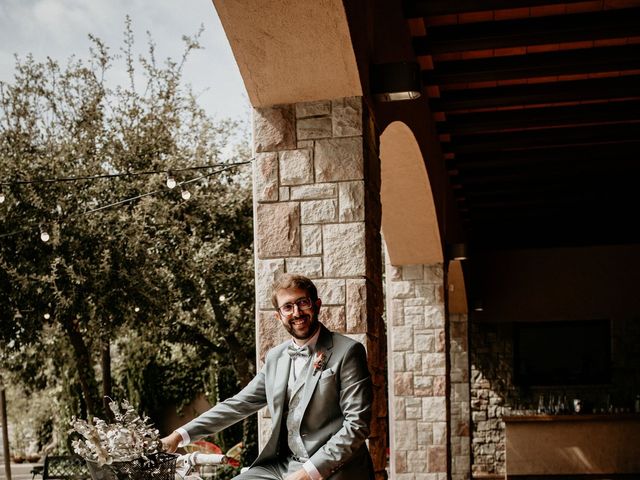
(615, 417)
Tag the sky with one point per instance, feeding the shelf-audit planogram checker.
(60, 28)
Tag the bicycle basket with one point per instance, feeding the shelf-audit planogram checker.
(157, 466)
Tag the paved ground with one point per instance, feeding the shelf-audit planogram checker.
(19, 471)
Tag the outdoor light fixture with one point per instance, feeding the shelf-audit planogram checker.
(391, 82)
(458, 251)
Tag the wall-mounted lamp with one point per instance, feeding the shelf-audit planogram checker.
(396, 81)
(458, 251)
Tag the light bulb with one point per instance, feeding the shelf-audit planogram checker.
(2, 198)
(171, 182)
(222, 298)
(186, 194)
(44, 236)
(47, 316)
(137, 309)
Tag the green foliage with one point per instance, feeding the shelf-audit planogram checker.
(158, 289)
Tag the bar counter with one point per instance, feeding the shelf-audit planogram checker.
(578, 444)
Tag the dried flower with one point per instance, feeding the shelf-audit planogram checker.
(129, 437)
(319, 362)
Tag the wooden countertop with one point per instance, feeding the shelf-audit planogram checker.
(600, 417)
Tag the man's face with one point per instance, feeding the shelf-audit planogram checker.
(301, 323)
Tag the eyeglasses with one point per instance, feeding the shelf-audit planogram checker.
(303, 303)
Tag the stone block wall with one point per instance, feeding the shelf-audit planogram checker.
(317, 212)
(418, 372)
(459, 412)
(491, 390)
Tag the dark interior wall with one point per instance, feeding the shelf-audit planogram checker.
(548, 285)
(558, 284)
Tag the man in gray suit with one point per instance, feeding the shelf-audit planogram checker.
(317, 389)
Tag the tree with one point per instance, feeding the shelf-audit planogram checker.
(161, 271)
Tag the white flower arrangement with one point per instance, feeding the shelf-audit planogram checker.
(128, 438)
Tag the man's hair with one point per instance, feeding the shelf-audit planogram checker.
(292, 280)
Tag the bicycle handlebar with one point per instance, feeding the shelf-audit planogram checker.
(197, 458)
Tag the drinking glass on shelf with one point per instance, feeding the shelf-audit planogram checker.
(577, 405)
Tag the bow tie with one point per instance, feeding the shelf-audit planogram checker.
(294, 351)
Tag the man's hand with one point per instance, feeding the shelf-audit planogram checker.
(170, 442)
(299, 475)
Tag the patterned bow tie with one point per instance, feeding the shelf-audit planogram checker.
(294, 351)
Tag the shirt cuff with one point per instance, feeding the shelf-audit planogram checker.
(186, 439)
(311, 469)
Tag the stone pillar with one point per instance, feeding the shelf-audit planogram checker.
(459, 411)
(418, 372)
(317, 212)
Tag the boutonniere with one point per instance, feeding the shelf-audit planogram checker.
(319, 362)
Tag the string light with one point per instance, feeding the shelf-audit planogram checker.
(137, 309)
(117, 175)
(45, 236)
(171, 181)
(2, 197)
(47, 316)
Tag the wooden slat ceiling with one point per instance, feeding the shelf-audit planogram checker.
(537, 106)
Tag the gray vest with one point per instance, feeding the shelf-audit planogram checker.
(294, 415)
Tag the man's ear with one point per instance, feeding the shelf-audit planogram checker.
(318, 303)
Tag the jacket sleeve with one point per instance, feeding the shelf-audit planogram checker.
(230, 411)
(355, 399)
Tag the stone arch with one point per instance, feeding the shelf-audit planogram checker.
(416, 311)
(409, 220)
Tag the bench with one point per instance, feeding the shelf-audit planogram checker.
(65, 467)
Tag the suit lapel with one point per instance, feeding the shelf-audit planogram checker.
(323, 346)
(280, 383)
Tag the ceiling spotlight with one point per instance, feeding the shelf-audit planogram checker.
(458, 251)
(391, 82)
(186, 194)
(171, 181)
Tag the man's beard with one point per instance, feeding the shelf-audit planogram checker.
(313, 325)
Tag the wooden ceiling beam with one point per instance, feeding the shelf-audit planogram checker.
(571, 155)
(546, 30)
(549, 137)
(593, 180)
(533, 65)
(585, 114)
(556, 170)
(571, 228)
(428, 8)
(537, 93)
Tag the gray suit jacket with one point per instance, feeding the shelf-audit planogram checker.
(336, 403)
